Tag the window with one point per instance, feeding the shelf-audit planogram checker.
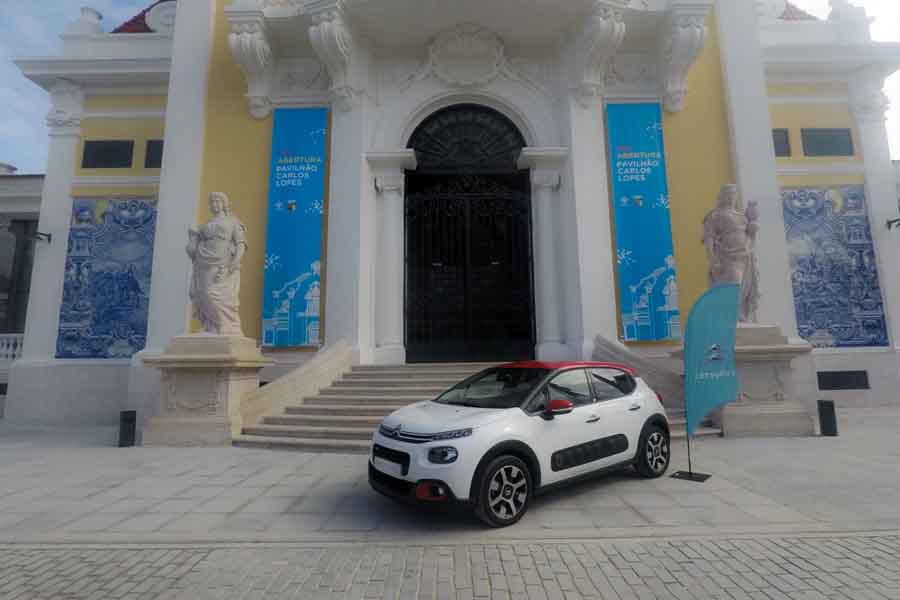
(827, 142)
(782, 139)
(572, 386)
(610, 384)
(116, 154)
(154, 156)
(495, 388)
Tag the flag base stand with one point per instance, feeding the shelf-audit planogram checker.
(691, 476)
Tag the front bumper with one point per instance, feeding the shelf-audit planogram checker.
(411, 467)
(405, 491)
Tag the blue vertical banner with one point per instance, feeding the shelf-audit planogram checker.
(645, 257)
(710, 368)
(293, 263)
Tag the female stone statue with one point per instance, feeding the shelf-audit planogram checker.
(216, 250)
(729, 235)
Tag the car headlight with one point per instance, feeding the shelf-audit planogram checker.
(443, 455)
(452, 435)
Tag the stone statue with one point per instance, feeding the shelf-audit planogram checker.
(729, 234)
(216, 250)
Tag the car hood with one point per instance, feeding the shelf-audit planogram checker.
(433, 417)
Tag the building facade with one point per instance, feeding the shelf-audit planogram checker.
(442, 182)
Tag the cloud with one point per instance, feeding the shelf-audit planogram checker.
(32, 29)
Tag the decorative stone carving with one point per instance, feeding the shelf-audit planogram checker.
(216, 250)
(250, 46)
(867, 99)
(333, 43)
(595, 47)
(729, 234)
(466, 56)
(301, 76)
(686, 36)
(633, 71)
(67, 101)
(161, 18)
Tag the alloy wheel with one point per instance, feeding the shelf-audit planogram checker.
(657, 452)
(508, 492)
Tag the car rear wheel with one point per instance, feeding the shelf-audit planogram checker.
(504, 491)
(653, 452)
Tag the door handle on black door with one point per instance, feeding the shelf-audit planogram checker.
(593, 419)
(635, 407)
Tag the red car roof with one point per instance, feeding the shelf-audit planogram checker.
(565, 364)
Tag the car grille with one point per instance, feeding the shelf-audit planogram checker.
(405, 436)
(391, 455)
(394, 485)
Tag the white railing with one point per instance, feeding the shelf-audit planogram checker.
(10, 348)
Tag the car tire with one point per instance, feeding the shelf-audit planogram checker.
(504, 491)
(654, 452)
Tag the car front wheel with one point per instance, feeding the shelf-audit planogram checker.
(653, 452)
(504, 491)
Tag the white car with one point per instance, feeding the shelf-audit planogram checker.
(496, 439)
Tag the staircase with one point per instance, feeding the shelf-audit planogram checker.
(342, 417)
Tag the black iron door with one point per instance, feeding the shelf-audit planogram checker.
(468, 269)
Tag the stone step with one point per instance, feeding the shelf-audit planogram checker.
(295, 431)
(394, 383)
(324, 421)
(302, 444)
(396, 402)
(394, 392)
(343, 410)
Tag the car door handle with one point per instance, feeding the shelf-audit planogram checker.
(593, 419)
(634, 407)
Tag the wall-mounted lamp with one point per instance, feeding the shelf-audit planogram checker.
(6, 223)
(893, 223)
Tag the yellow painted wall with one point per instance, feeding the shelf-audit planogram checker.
(795, 117)
(698, 159)
(124, 103)
(139, 130)
(236, 161)
(80, 191)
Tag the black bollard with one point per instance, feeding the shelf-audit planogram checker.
(127, 428)
(827, 418)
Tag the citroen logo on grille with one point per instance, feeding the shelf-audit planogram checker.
(395, 432)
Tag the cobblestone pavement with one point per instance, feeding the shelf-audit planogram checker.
(857, 567)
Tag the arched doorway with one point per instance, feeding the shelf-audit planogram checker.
(469, 283)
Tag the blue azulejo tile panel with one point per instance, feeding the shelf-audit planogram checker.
(106, 292)
(833, 268)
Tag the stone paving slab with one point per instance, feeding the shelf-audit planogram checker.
(72, 493)
(855, 567)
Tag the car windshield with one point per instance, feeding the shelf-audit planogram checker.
(495, 388)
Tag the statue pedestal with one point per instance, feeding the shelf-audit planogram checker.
(768, 403)
(204, 378)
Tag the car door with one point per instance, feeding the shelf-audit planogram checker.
(620, 415)
(562, 440)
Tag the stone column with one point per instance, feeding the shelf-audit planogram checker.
(545, 165)
(387, 169)
(868, 104)
(179, 192)
(42, 320)
(753, 155)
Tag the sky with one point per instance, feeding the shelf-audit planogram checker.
(32, 28)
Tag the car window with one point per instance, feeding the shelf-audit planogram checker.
(610, 384)
(495, 388)
(572, 386)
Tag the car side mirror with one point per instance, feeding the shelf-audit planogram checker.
(558, 407)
